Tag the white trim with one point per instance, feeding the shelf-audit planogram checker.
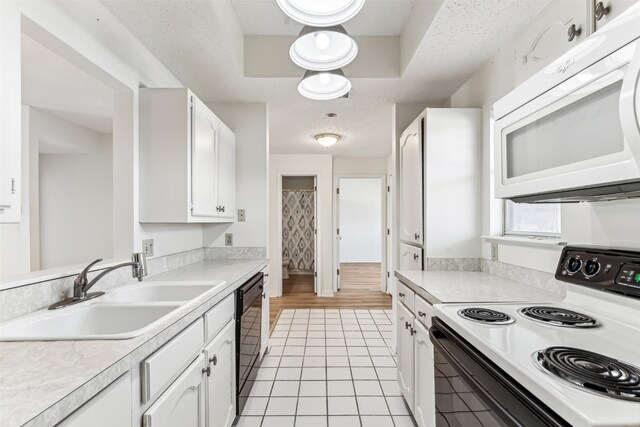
(318, 217)
(536, 241)
(383, 226)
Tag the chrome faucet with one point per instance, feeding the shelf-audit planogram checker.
(81, 284)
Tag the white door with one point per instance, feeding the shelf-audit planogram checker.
(221, 382)
(264, 341)
(411, 184)
(410, 257)
(315, 235)
(424, 386)
(390, 288)
(203, 160)
(405, 324)
(226, 172)
(183, 404)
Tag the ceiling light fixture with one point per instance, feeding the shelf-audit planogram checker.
(324, 85)
(321, 13)
(327, 139)
(323, 49)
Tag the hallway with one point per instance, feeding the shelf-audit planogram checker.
(360, 289)
(328, 368)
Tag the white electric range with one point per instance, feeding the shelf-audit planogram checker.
(573, 363)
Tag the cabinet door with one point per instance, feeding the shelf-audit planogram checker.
(404, 324)
(264, 341)
(183, 404)
(546, 38)
(411, 184)
(606, 10)
(410, 257)
(221, 382)
(424, 388)
(99, 411)
(204, 134)
(226, 172)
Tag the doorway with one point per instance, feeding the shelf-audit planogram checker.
(360, 235)
(299, 235)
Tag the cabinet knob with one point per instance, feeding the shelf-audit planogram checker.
(222, 207)
(415, 257)
(207, 371)
(422, 313)
(413, 331)
(214, 360)
(401, 295)
(416, 236)
(573, 32)
(407, 325)
(601, 10)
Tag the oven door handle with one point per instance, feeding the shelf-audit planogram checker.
(454, 348)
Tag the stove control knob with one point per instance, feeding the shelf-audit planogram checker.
(573, 265)
(591, 268)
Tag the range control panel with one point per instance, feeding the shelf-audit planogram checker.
(604, 268)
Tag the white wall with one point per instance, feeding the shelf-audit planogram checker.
(250, 124)
(322, 166)
(351, 165)
(360, 220)
(601, 223)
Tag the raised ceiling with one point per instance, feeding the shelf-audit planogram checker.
(416, 52)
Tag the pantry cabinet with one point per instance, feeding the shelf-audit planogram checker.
(187, 160)
(410, 209)
(410, 257)
(558, 28)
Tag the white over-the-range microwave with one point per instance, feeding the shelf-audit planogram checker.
(570, 133)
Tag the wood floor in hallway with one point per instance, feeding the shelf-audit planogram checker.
(359, 288)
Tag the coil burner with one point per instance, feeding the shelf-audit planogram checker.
(590, 371)
(485, 315)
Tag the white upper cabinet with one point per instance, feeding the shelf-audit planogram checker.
(410, 257)
(606, 10)
(411, 184)
(187, 160)
(558, 28)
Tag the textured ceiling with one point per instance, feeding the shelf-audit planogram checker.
(54, 85)
(463, 35)
(377, 18)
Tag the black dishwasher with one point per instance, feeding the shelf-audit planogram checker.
(248, 329)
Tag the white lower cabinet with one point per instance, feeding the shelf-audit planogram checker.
(99, 411)
(221, 379)
(416, 360)
(183, 404)
(405, 353)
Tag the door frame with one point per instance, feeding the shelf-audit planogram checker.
(383, 225)
(318, 242)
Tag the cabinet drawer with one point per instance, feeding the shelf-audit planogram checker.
(406, 296)
(423, 311)
(216, 318)
(165, 364)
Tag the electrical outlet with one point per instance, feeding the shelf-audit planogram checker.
(494, 252)
(228, 239)
(147, 247)
(241, 215)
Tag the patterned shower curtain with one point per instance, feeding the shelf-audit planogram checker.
(298, 224)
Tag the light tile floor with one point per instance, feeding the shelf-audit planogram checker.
(328, 368)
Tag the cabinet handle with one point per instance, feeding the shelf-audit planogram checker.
(13, 186)
(401, 295)
(264, 295)
(207, 371)
(213, 360)
(266, 274)
(413, 331)
(573, 32)
(222, 208)
(601, 10)
(416, 236)
(415, 257)
(422, 314)
(407, 325)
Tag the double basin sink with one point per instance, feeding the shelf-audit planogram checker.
(124, 312)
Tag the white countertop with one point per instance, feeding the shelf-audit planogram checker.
(471, 286)
(41, 382)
